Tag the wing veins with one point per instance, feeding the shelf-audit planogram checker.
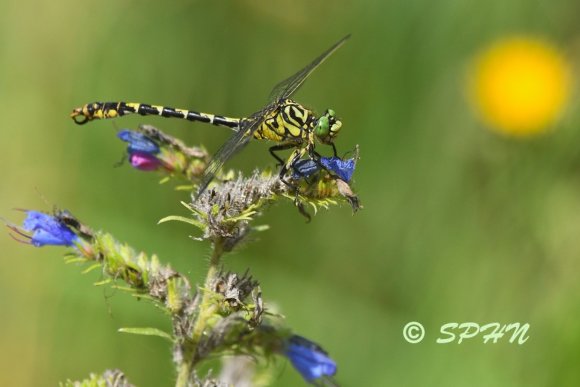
(291, 84)
(234, 144)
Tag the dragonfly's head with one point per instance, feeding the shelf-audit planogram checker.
(327, 127)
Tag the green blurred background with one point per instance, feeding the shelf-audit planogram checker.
(459, 224)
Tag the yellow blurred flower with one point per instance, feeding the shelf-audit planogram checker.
(520, 85)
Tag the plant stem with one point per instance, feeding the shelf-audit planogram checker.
(183, 373)
(205, 310)
(205, 307)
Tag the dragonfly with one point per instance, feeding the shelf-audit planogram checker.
(281, 120)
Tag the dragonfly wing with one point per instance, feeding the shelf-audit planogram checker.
(289, 86)
(233, 145)
(239, 139)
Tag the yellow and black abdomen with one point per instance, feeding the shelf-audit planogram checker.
(104, 110)
(290, 121)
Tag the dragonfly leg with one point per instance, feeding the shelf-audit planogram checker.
(301, 209)
(334, 149)
(280, 147)
(297, 202)
(295, 156)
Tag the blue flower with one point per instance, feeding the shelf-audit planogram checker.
(309, 359)
(144, 161)
(46, 230)
(142, 150)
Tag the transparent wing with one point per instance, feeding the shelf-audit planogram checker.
(289, 86)
(233, 145)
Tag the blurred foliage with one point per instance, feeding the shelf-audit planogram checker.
(460, 224)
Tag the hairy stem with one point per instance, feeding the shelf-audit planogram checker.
(204, 312)
(206, 307)
(183, 374)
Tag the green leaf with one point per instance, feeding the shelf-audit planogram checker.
(260, 228)
(191, 221)
(124, 288)
(188, 187)
(148, 332)
(103, 282)
(91, 268)
(75, 260)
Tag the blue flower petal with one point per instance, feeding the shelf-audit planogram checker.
(47, 230)
(309, 359)
(138, 142)
(35, 220)
(42, 238)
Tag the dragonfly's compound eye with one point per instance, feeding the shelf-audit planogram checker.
(335, 123)
(322, 127)
(328, 127)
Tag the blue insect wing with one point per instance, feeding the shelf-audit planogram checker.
(342, 168)
(138, 142)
